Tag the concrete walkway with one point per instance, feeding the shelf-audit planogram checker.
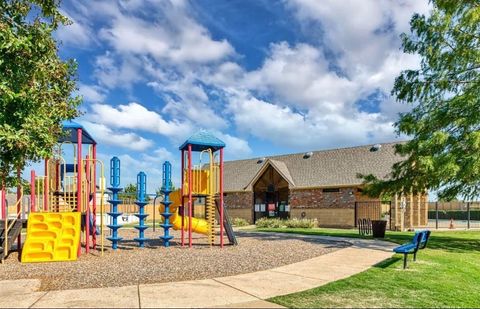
(246, 290)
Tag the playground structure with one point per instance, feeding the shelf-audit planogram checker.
(202, 180)
(67, 187)
(59, 200)
(62, 215)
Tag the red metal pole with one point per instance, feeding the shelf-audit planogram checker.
(57, 183)
(19, 205)
(94, 235)
(32, 191)
(221, 197)
(79, 169)
(182, 208)
(4, 204)
(79, 179)
(190, 195)
(87, 203)
(45, 187)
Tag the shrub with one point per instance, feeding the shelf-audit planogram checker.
(240, 222)
(300, 223)
(269, 223)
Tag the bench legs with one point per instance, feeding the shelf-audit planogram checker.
(405, 259)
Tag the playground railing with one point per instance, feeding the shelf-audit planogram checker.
(9, 223)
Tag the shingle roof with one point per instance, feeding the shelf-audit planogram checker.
(336, 167)
(203, 140)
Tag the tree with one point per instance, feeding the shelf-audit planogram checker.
(444, 123)
(35, 84)
(159, 189)
(26, 187)
(129, 193)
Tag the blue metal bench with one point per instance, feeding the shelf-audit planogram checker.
(420, 240)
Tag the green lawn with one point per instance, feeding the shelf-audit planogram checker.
(446, 274)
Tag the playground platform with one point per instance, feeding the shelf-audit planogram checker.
(244, 290)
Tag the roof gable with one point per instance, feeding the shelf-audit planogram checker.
(279, 166)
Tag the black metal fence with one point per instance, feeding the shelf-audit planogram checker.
(373, 210)
(454, 215)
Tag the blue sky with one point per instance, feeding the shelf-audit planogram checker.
(267, 77)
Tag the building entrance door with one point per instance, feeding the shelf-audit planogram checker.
(272, 205)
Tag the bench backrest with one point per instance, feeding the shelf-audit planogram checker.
(424, 240)
(417, 240)
(420, 239)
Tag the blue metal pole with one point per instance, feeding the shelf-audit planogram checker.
(166, 190)
(141, 202)
(114, 214)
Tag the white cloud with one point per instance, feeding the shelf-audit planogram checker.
(306, 103)
(236, 148)
(134, 116)
(300, 76)
(137, 117)
(122, 72)
(302, 95)
(149, 162)
(91, 93)
(78, 33)
(129, 140)
(364, 35)
(172, 36)
(287, 128)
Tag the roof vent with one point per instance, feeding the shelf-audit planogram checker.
(307, 155)
(375, 147)
(261, 160)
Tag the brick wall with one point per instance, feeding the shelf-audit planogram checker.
(234, 200)
(239, 205)
(316, 198)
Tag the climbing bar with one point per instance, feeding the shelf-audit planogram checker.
(141, 202)
(114, 214)
(166, 214)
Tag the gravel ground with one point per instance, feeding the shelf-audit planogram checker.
(155, 263)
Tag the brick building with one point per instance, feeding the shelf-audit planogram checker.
(320, 184)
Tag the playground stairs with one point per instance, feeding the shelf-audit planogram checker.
(227, 225)
(52, 237)
(210, 217)
(13, 233)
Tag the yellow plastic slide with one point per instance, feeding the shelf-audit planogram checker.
(198, 225)
(52, 237)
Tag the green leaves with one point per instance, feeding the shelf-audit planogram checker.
(444, 123)
(35, 84)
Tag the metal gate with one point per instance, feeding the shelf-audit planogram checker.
(374, 210)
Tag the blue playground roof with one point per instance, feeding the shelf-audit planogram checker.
(71, 128)
(203, 140)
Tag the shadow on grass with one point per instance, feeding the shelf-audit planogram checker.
(456, 242)
(388, 262)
